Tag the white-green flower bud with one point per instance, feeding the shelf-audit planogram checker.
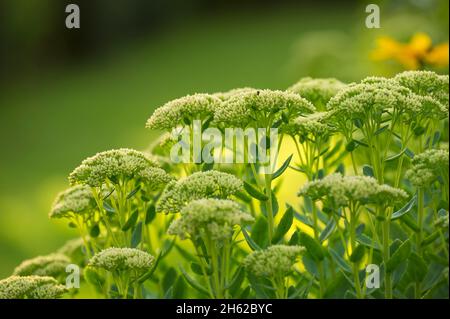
(209, 218)
(53, 265)
(111, 166)
(275, 261)
(122, 259)
(180, 111)
(31, 287)
(210, 184)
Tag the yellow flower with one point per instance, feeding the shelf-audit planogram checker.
(412, 55)
(438, 56)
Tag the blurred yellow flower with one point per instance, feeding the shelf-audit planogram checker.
(413, 55)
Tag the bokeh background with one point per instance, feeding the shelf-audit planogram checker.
(67, 94)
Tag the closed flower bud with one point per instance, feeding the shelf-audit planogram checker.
(209, 218)
(342, 191)
(53, 265)
(210, 184)
(188, 108)
(428, 166)
(30, 287)
(274, 262)
(77, 199)
(111, 166)
(317, 91)
(122, 259)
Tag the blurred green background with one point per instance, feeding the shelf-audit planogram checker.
(67, 94)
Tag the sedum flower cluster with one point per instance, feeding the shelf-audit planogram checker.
(275, 261)
(210, 184)
(428, 166)
(315, 125)
(261, 107)
(53, 265)
(77, 199)
(122, 259)
(209, 218)
(31, 287)
(342, 191)
(112, 165)
(183, 110)
(317, 91)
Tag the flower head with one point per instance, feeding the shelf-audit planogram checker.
(122, 259)
(213, 218)
(154, 178)
(182, 110)
(317, 91)
(261, 107)
(430, 86)
(316, 124)
(428, 166)
(232, 93)
(51, 265)
(32, 287)
(275, 261)
(413, 54)
(342, 191)
(373, 95)
(111, 166)
(77, 199)
(210, 184)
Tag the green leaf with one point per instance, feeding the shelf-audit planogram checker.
(252, 191)
(405, 209)
(351, 146)
(417, 267)
(284, 225)
(179, 288)
(169, 279)
(136, 236)
(431, 238)
(108, 208)
(419, 130)
(409, 153)
(367, 241)
(249, 240)
(259, 232)
(133, 192)
(94, 231)
(341, 262)
(358, 254)
(283, 167)
(410, 222)
(131, 221)
(329, 228)
(400, 255)
(368, 171)
(236, 281)
(295, 238)
(361, 143)
(394, 157)
(312, 246)
(150, 214)
(381, 130)
(149, 273)
(193, 283)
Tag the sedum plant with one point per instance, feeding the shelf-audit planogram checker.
(370, 161)
(210, 225)
(31, 287)
(276, 264)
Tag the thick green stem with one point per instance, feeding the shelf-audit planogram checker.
(386, 256)
(270, 222)
(353, 221)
